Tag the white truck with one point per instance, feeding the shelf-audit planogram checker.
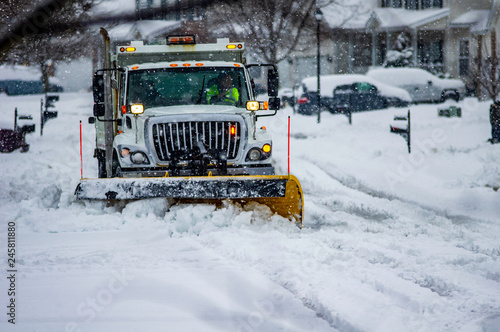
(180, 121)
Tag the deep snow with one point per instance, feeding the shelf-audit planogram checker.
(392, 241)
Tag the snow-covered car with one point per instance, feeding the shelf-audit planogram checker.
(355, 91)
(423, 86)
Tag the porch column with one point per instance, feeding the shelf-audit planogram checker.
(414, 44)
(350, 54)
(374, 48)
(479, 66)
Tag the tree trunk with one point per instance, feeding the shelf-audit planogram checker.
(479, 66)
(494, 66)
(45, 76)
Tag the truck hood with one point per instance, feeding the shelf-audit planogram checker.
(193, 109)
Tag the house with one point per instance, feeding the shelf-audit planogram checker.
(442, 36)
(150, 31)
(155, 19)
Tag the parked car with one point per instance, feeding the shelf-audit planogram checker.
(20, 87)
(423, 86)
(21, 80)
(353, 91)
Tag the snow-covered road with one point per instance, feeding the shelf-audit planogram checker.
(392, 242)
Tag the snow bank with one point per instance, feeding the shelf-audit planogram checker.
(392, 241)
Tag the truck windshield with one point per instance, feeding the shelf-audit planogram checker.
(187, 86)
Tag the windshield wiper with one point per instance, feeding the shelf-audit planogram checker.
(201, 91)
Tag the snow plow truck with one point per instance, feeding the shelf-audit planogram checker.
(180, 121)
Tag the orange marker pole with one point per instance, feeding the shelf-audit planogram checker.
(81, 152)
(288, 145)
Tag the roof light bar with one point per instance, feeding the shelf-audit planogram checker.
(181, 40)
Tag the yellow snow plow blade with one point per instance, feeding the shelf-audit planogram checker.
(281, 193)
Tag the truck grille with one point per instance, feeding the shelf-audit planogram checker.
(180, 138)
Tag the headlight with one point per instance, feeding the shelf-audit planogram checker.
(254, 154)
(137, 109)
(139, 158)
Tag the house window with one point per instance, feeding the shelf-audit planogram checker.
(426, 4)
(188, 10)
(411, 4)
(392, 3)
(463, 58)
(431, 4)
(430, 55)
(437, 3)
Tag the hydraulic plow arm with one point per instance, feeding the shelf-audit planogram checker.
(281, 193)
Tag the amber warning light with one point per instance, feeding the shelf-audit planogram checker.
(127, 49)
(234, 46)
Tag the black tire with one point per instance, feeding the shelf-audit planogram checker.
(101, 164)
(101, 168)
(116, 169)
(450, 94)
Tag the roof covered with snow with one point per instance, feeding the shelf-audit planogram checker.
(108, 7)
(387, 18)
(476, 20)
(20, 73)
(146, 29)
(143, 29)
(390, 18)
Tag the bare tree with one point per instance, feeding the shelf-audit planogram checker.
(488, 70)
(36, 44)
(272, 29)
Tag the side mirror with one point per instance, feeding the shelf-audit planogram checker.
(272, 82)
(274, 103)
(99, 110)
(98, 88)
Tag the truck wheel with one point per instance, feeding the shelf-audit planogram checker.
(116, 169)
(101, 168)
(450, 94)
(101, 164)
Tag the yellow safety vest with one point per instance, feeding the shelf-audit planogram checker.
(231, 96)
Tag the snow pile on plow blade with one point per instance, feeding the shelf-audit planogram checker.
(281, 193)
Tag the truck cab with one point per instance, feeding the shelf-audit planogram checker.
(181, 109)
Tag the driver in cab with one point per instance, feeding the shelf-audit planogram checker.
(223, 92)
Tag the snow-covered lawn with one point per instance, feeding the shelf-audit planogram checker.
(392, 241)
